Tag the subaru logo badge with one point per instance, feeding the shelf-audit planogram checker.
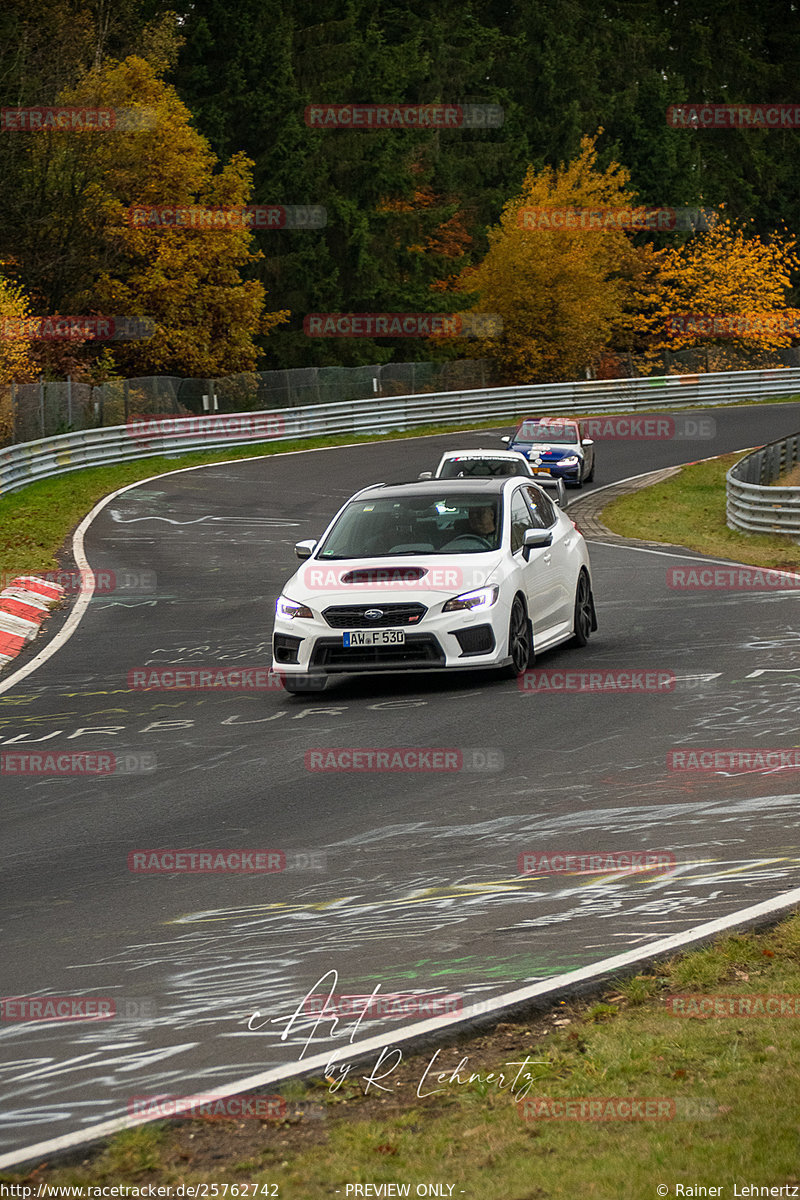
(373, 614)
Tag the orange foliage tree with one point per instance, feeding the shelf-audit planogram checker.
(16, 362)
(189, 281)
(562, 293)
(723, 272)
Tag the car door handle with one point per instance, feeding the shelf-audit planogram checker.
(546, 558)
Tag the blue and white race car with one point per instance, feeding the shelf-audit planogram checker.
(555, 449)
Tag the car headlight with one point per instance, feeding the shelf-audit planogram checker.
(290, 608)
(571, 460)
(473, 601)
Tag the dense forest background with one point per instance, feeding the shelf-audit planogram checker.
(408, 211)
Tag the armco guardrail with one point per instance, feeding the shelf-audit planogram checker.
(25, 463)
(754, 504)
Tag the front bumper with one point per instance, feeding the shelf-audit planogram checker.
(554, 470)
(446, 640)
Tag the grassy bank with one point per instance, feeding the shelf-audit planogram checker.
(689, 510)
(729, 1089)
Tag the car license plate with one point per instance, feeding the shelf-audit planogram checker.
(374, 637)
(541, 470)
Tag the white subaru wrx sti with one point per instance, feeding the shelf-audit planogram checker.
(441, 574)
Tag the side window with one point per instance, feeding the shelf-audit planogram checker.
(542, 508)
(520, 520)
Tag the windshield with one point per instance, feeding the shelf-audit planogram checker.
(457, 524)
(480, 468)
(543, 431)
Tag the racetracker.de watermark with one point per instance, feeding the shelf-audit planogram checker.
(623, 681)
(396, 758)
(203, 679)
(57, 1008)
(398, 1004)
(209, 1107)
(211, 219)
(44, 118)
(266, 425)
(403, 325)
(572, 863)
(593, 1108)
(371, 117)
(444, 577)
(734, 116)
(733, 325)
(596, 220)
(58, 328)
(648, 429)
(101, 582)
(77, 1008)
(759, 759)
(206, 862)
(73, 762)
(759, 1005)
(731, 579)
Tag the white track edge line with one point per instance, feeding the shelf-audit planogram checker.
(421, 1028)
(728, 562)
(87, 590)
(556, 983)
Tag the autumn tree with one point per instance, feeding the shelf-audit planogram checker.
(561, 292)
(16, 362)
(91, 259)
(720, 273)
(15, 351)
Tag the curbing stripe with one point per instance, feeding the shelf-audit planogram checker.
(10, 645)
(30, 598)
(39, 587)
(19, 608)
(9, 623)
(23, 606)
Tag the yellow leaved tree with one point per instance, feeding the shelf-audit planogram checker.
(562, 292)
(188, 281)
(16, 363)
(724, 288)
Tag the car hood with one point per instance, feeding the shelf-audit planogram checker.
(425, 578)
(555, 451)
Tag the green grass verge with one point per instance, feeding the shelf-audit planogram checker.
(735, 1083)
(689, 510)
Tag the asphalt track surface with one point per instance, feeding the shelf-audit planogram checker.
(415, 886)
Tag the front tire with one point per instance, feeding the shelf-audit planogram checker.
(584, 619)
(520, 645)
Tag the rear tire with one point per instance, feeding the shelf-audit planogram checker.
(590, 476)
(584, 620)
(520, 645)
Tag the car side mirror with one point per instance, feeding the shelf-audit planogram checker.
(536, 539)
(305, 549)
(505, 439)
(425, 475)
(587, 442)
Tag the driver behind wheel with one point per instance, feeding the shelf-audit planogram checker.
(482, 521)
